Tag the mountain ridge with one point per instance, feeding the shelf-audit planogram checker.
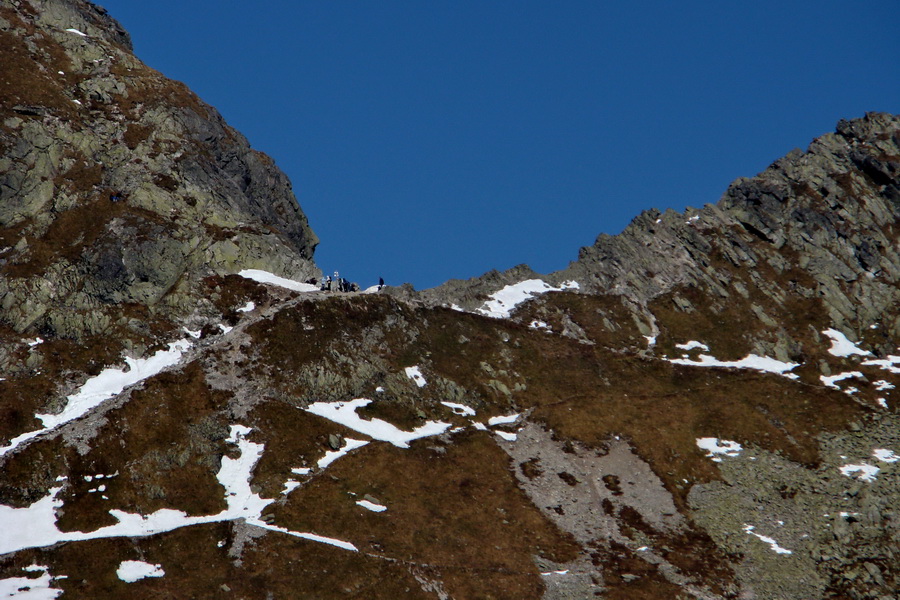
(700, 407)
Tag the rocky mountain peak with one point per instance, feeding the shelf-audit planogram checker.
(119, 186)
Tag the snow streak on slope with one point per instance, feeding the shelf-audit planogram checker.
(272, 279)
(751, 361)
(344, 413)
(104, 386)
(502, 302)
(35, 525)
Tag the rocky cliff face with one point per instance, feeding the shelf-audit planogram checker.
(701, 407)
(119, 187)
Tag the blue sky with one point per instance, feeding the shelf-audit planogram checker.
(437, 140)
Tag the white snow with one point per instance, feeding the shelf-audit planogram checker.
(881, 402)
(372, 506)
(344, 413)
(555, 573)
(539, 325)
(307, 536)
(460, 409)
(416, 375)
(372, 289)
(333, 455)
(882, 385)
(235, 475)
(289, 486)
(831, 381)
(863, 472)
(379, 390)
(885, 455)
(751, 361)
(130, 571)
(36, 341)
(503, 420)
(509, 437)
(503, 301)
(479, 426)
(841, 346)
(225, 328)
(76, 32)
(301, 470)
(651, 340)
(888, 364)
(247, 307)
(693, 344)
(25, 588)
(715, 447)
(272, 279)
(104, 386)
(778, 549)
(193, 334)
(35, 526)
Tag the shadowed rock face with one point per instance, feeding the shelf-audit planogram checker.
(119, 186)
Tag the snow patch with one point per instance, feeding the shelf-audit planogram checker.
(460, 409)
(504, 301)
(509, 437)
(332, 455)
(751, 361)
(715, 447)
(416, 375)
(885, 455)
(26, 588)
(539, 325)
(651, 340)
(251, 305)
(372, 506)
(503, 420)
(344, 413)
(881, 385)
(862, 472)
(841, 346)
(130, 571)
(693, 344)
(778, 549)
(76, 32)
(831, 381)
(272, 279)
(888, 364)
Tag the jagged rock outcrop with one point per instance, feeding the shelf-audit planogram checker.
(119, 186)
(817, 224)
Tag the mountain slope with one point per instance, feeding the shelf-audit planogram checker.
(700, 407)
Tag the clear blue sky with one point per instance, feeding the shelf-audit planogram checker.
(441, 139)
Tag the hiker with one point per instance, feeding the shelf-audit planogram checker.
(380, 283)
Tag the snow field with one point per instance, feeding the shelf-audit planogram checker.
(504, 301)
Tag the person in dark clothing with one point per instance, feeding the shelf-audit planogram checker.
(380, 283)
